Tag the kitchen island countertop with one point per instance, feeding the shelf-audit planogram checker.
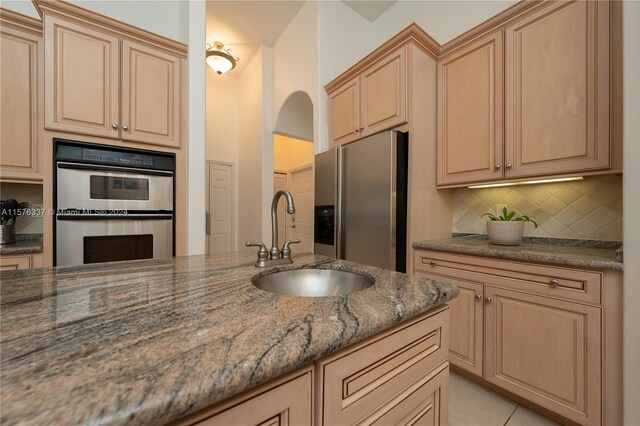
(151, 341)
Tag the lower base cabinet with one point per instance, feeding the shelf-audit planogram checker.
(546, 334)
(398, 377)
(11, 262)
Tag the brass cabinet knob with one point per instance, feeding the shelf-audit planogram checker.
(508, 165)
(114, 126)
(498, 166)
(125, 127)
(478, 296)
(554, 283)
(488, 299)
(433, 263)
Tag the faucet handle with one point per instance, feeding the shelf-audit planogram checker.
(286, 251)
(263, 253)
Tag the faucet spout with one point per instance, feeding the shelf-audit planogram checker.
(291, 208)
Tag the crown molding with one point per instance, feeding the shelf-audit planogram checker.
(24, 22)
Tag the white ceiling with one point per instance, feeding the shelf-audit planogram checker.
(244, 25)
(368, 9)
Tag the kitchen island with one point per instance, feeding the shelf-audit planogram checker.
(152, 341)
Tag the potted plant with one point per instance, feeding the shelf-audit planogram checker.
(506, 229)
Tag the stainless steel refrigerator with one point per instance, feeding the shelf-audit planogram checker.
(360, 196)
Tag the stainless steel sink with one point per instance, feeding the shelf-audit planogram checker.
(312, 282)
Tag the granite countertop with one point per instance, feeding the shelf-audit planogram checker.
(147, 342)
(25, 243)
(556, 251)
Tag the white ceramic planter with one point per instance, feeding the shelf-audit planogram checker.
(508, 233)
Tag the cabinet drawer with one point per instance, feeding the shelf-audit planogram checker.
(422, 404)
(11, 262)
(356, 384)
(553, 281)
(286, 404)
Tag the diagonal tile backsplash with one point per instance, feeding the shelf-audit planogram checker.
(589, 209)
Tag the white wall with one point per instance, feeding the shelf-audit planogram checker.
(223, 111)
(295, 66)
(442, 20)
(168, 18)
(250, 152)
(266, 139)
(631, 307)
(24, 7)
(196, 130)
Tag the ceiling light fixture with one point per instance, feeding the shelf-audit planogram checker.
(526, 182)
(219, 59)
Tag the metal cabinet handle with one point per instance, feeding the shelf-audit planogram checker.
(433, 263)
(356, 130)
(114, 126)
(498, 166)
(488, 299)
(554, 283)
(478, 296)
(508, 165)
(361, 128)
(293, 226)
(125, 127)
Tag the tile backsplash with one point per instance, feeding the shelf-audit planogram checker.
(31, 194)
(588, 209)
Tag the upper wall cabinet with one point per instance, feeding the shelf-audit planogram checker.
(557, 94)
(102, 84)
(469, 140)
(374, 100)
(557, 90)
(20, 70)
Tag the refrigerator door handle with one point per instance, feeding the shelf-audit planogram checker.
(339, 204)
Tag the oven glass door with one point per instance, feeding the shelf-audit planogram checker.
(95, 189)
(97, 240)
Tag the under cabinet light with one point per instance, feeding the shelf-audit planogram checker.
(526, 182)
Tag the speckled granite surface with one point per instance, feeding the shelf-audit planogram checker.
(580, 253)
(147, 342)
(25, 243)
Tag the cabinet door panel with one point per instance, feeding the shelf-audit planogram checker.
(384, 93)
(344, 110)
(287, 404)
(466, 324)
(150, 95)
(11, 263)
(19, 129)
(469, 94)
(82, 79)
(545, 350)
(557, 90)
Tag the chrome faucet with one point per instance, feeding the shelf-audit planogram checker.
(275, 256)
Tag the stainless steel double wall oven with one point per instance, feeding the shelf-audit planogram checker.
(112, 203)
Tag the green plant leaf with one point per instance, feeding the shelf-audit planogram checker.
(491, 216)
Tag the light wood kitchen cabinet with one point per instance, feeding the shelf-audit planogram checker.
(544, 333)
(288, 404)
(344, 107)
(557, 90)
(399, 377)
(12, 262)
(102, 84)
(557, 93)
(545, 350)
(20, 82)
(470, 119)
(82, 72)
(150, 95)
(373, 101)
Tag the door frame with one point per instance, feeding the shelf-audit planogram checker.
(290, 173)
(234, 202)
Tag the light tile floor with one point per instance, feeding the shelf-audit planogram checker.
(472, 405)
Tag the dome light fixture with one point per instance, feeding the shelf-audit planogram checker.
(219, 59)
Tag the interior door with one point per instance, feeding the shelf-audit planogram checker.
(301, 222)
(280, 182)
(220, 207)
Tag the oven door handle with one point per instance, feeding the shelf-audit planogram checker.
(95, 167)
(115, 217)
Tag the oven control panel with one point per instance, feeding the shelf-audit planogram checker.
(116, 157)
